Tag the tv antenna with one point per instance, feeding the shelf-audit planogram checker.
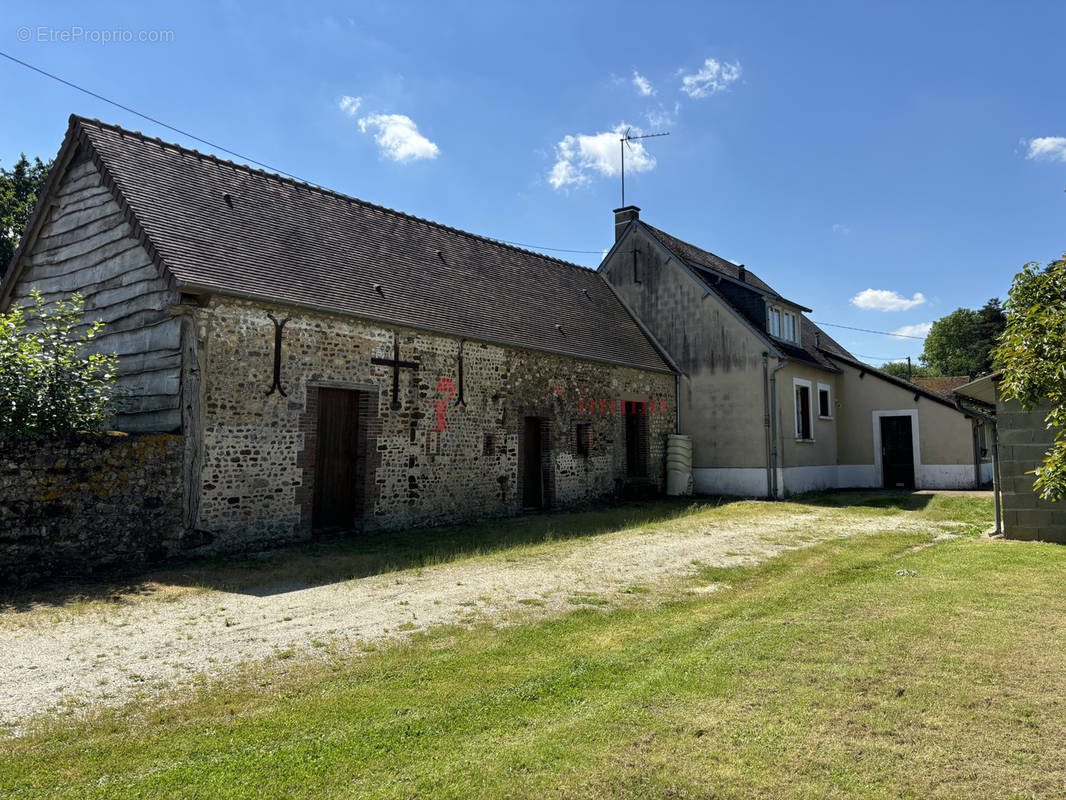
(623, 143)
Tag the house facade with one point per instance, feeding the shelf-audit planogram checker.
(773, 404)
(334, 364)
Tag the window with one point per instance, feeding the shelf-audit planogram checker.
(488, 445)
(803, 410)
(774, 325)
(782, 324)
(825, 401)
(788, 328)
(582, 438)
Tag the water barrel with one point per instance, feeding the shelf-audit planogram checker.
(678, 465)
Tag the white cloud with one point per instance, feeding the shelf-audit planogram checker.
(643, 85)
(398, 137)
(918, 329)
(714, 76)
(843, 230)
(1047, 148)
(581, 155)
(349, 105)
(886, 300)
(662, 117)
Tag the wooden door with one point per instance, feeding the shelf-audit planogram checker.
(533, 462)
(335, 461)
(636, 439)
(897, 453)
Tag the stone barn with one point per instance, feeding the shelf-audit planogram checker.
(334, 364)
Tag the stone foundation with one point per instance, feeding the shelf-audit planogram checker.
(88, 504)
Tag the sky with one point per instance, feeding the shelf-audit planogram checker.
(882, 163)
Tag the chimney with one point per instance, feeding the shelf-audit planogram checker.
(742, 273)
(622, 217)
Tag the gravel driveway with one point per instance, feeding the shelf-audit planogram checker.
(108, 656)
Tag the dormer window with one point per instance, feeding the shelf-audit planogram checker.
(782, 324)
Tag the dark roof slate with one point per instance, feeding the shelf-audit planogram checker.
(283, 241)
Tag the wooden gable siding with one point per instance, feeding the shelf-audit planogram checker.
(86, 245)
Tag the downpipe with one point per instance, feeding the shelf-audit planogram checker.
(773, 425)
(766, 422)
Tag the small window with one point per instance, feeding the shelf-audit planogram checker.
(803, 411)
(488, 446)
(782, 324)
(582, 438)
(825, 402)
(775, 322)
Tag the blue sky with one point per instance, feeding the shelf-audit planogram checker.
(917, 150)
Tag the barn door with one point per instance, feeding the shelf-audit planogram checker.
(335, 461)
(897, 453)
(535, 463)
(636, 439)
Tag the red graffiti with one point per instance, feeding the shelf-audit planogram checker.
(616, 405)
(443, 385)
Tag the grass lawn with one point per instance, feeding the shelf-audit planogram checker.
(884, 665)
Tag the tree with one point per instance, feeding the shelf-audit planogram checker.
(901, 370)
(19, 189)
(951, 345)
(1033, 353)
(990, 324)
(50, 384)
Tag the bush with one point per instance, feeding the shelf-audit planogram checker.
(50, 384)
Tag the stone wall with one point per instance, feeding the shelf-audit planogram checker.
(1023, 441)
(258, 448)
(87, 504)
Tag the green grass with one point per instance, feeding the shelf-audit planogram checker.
(821, 673)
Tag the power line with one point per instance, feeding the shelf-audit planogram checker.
(867, 330)
(226, 149)
(153, 119)
(555, 249)
(881, 358)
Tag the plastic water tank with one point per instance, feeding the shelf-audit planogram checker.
(678, 465)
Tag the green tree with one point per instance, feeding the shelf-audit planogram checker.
(951, 345)
(19, 189)
(900, 370)
(50, 384)
(1032, 351)
(990, 324)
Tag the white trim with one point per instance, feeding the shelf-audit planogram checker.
(797, 382)
(986, 472)
(794, 480)
(856, 476)
(829, 390)
(879, 470)
(730, 480)
(751, 482)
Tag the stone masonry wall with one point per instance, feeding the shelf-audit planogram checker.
(259, 449)
(86, 504)
(1023, 441)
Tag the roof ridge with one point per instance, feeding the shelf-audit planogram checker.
(315, 187)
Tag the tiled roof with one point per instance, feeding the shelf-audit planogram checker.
(814, 344)
(228, 228)
(945, 385)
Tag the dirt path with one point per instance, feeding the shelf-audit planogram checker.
(150, 644)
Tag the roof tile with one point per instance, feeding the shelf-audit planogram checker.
(280, 240)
